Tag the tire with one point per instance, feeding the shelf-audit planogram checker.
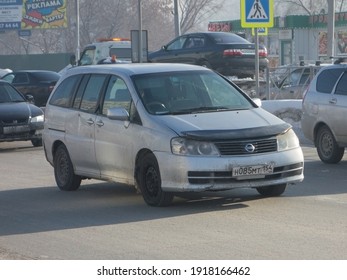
(327, 148)
(63, 171)
(150, 183)
(36, 142)
(275, 190)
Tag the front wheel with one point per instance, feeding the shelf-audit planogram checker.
(36, 142)
(150, 183)
(275, 190)
(64, 173)
(327, 147)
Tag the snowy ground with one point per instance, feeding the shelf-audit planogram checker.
(289, 111)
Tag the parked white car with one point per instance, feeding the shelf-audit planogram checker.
(166, 128)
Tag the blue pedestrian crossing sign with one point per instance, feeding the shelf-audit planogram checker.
(257, 13)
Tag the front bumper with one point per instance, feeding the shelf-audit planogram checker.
(31, 131)
(182, 173)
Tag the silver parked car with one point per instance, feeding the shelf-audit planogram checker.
(165, 128)
(325, 111)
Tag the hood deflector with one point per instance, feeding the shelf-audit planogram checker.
(245, 133)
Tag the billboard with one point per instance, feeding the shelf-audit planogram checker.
(10, 14)
(39, 14)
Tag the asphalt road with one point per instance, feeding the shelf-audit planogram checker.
(108, 221)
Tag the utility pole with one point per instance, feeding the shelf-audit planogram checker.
(331, 28)
(177, 19)
(78, 29)
(140, 30)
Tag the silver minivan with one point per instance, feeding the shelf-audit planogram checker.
(324, 112)
(165, 129)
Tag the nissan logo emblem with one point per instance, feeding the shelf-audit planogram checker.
(249, 148)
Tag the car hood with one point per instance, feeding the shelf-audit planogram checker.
(229, 124)
(21, 110)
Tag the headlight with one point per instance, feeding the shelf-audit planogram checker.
(287, 141)
(37, 119)
(182, 146)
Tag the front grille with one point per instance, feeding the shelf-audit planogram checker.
(14, 122)
(233, 148)
(222, 177)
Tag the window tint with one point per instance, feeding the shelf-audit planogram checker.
(63, 94)
(91, 93)
(21, 78)
(220, 38)
(46, 76)
(177, 44)
(327, 80)
(117, 95)
(341, 87)
(9, 78)
(194, 42)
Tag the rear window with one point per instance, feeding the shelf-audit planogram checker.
(121, 52)
(46, 76)
(228, 38)
(327, 79)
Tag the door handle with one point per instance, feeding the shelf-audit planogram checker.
(333, 101)
(90, 121)
(100, 123)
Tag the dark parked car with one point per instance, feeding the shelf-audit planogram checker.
(227, 53)
(37, 83)
(19, 119)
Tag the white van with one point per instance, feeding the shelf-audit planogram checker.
(116, 49)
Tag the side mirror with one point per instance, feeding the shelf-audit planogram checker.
(73, 60)
(30, 98)
(117, 113)
(164, 48)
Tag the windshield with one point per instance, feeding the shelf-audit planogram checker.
(9, 94)
(188, 92)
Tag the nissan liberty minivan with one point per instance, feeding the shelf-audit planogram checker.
(165, 129)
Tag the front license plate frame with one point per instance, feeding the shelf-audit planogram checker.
(253, 170)
(16, 129)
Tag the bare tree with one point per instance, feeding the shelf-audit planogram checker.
(193, 12)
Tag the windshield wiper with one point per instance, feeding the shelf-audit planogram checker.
(202, 109)
(209, 109)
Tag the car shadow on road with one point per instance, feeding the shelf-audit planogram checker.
(42, 209)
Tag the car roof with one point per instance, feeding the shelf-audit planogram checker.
(134, 68)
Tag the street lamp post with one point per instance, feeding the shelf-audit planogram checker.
(78, 29)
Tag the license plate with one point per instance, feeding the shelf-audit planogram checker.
(16, 129)
(253, 170)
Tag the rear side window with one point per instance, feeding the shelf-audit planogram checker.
(91, 93)
(327, 79)
(63, 94)
(341, 87)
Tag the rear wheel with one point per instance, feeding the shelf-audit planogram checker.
(63, 170)
(327, 147)
(150, 183)
(275, 190)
